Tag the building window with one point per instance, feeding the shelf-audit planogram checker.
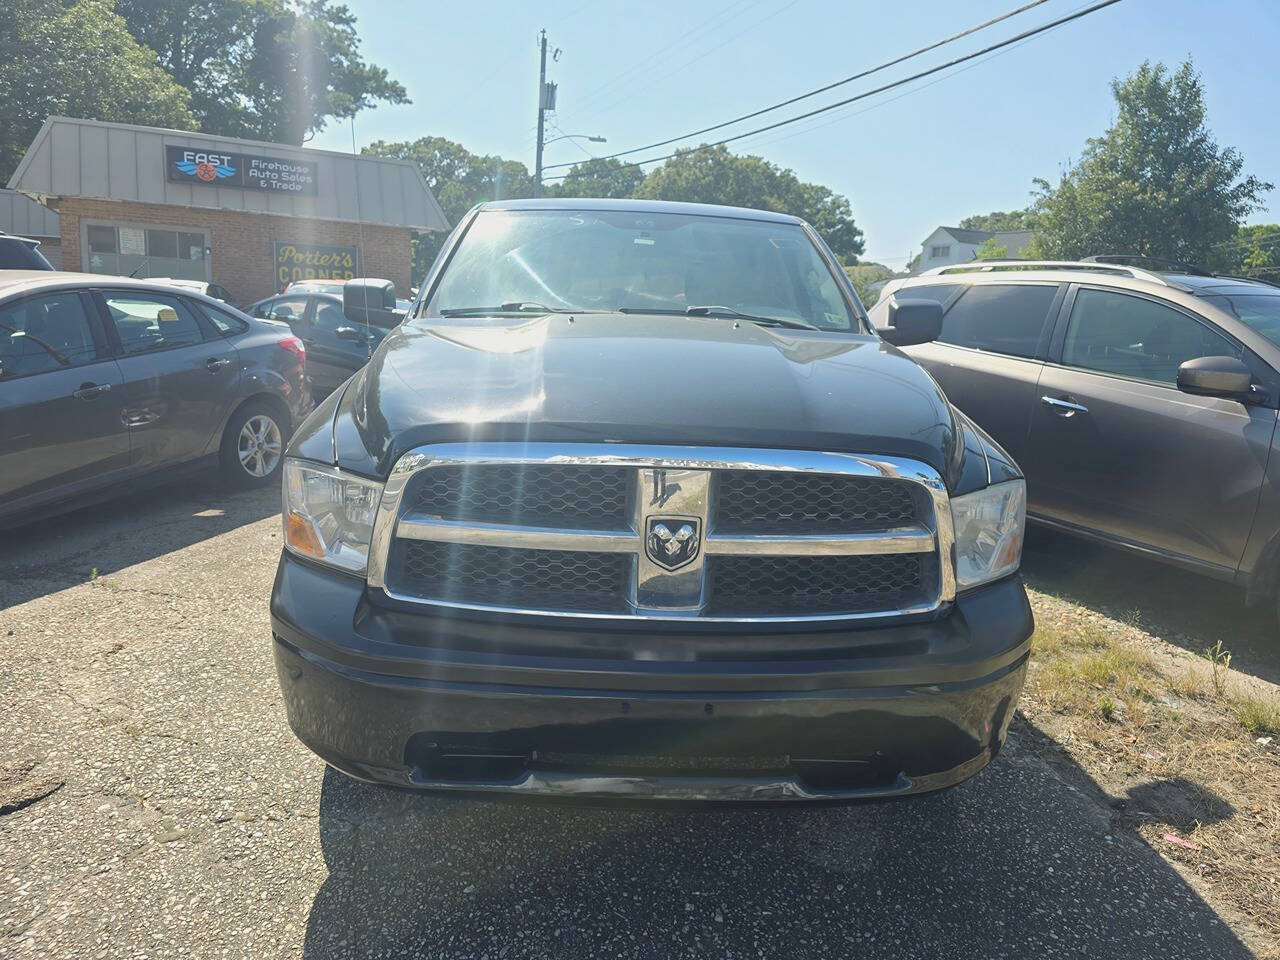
(937, 252)
(127, 250)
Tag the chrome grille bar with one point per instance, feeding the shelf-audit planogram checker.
(414, 526)
(915, 539)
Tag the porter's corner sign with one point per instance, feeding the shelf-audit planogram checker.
(244, 171)
(314, 261)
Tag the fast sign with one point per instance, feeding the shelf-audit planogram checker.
(243, 171)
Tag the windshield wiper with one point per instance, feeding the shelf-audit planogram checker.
(721, 311)
(510, 306)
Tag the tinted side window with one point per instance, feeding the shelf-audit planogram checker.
(288, 309)
(328, 317)
(44, 333)
(148, 322)
(1001, 318)
(225, 321)
(1134, 337)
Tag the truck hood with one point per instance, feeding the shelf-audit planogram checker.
(638, 379)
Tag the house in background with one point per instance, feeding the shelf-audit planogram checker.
(950, 245)
(24, 217)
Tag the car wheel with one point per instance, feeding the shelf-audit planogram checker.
(253, 446)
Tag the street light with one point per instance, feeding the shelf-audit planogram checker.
(576, 136)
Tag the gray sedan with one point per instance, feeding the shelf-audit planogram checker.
(107, 383)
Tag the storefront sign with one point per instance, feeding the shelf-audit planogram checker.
(244, 171)
(314, 261)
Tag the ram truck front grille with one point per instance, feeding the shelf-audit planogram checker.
(618, 531)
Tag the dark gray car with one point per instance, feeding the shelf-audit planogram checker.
(1141, 405)
(104, 380)
(336, 345)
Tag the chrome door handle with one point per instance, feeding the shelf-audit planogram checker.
(1063, 408)
(88, 391)
(214, 364)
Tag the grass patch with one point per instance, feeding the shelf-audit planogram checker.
(1175, 741)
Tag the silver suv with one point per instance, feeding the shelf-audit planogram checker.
(1141, 404)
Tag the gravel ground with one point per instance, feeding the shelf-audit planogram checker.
(153, 803)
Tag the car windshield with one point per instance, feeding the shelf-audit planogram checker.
(1258, 311)
(641, 262)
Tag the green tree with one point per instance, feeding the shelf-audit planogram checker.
(459, 179)
(863, 276)
(1000, 220)
(991, 249)
(1155, 184)
(1253, 252)
(599, 178)
(269, 69)
(714, 175)
(77, 59)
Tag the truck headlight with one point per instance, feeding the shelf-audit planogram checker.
(988, 528)
(328, 514)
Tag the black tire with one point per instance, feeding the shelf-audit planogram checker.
(254, 461)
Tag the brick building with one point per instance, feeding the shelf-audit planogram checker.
(247, 215)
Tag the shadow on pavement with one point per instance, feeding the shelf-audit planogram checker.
(61, 551)
(1179, 607)
(1021, 861)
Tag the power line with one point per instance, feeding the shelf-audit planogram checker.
(881, 89)
(830, 86)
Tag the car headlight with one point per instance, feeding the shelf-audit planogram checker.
(988, 526)
(329, 514)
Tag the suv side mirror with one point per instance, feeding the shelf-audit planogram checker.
(912, 321)
(364, 294)
(1216, 377)
(352, 333)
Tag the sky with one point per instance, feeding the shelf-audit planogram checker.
(911, 159)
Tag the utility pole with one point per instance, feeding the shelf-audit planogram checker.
(546, 101)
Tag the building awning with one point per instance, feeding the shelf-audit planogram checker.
(120, 161)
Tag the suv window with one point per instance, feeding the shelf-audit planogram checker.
(45, 333)
(328, 316)
(18, 254)
(1000, 318)
(1132, 336)
(226, 323)
(146, 322)
(288, 309)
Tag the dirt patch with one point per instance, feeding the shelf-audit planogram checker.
(1185, 749)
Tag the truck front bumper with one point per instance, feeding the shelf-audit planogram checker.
(431, 700)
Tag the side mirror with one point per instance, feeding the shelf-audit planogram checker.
(363, 295)
(912, 322)
(1216, 377)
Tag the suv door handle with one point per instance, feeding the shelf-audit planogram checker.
(90, 391)
(1063, 407)
(214, 364)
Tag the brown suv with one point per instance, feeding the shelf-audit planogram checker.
(1141, 404)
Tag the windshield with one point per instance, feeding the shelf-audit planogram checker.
(641, 262)
(1258, 311)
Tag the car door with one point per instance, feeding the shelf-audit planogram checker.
(61, 430)
(179, 375)
(1116, 448)
(989, 355)
(336, 357)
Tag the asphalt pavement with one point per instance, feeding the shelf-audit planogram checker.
(153, 803)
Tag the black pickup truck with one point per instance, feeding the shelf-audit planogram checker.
(637, 503)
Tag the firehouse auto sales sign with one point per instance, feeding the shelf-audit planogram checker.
(243, 171)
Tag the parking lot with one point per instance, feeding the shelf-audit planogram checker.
(153, 801)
